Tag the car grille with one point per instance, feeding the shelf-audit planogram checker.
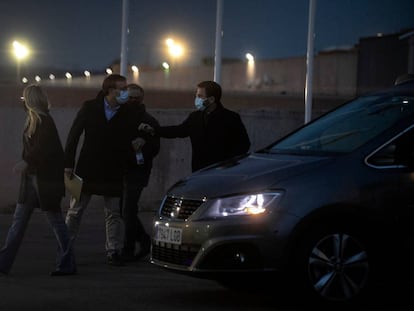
(179, 208)
(182, 255)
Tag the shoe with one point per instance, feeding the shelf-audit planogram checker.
(115, 260)
(142, 255)
(61, 273)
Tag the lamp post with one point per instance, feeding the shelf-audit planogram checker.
(250, 70)
(135, 72)
(20, 52)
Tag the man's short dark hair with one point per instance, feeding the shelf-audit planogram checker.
(212, 89)
(110, 82)
(135, 90)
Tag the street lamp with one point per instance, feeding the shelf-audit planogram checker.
(250, 70)
(135, 72)
(20, 52)
(174, 49)
(249, 57)
(165, 65)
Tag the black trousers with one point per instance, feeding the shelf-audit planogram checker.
(134, 230)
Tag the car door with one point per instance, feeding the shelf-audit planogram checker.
(397, 157)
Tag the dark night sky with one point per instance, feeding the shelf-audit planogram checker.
(86, 34)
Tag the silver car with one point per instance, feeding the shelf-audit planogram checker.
(327, 209)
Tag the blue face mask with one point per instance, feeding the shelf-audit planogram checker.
(199, 103)
(123, 97)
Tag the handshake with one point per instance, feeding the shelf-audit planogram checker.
(146, 128)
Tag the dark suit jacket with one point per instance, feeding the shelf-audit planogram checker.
(103, 157)
(43, 153)
(217, 136)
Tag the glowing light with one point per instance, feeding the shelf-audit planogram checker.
(25, 80)
(250, 57)
(20, 50)
(250, 70)
(68, 75)
(38, 79)
(52, 76)
(135, 72)
(169, 42)
(87, 74)
(165, 65)
(109, 71)
(174, 49)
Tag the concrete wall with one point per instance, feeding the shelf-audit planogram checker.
(334, 74)
(266, 118)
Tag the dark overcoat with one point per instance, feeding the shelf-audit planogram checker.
(140, 174)
(102, 160)
(215, 136)
(43, 153)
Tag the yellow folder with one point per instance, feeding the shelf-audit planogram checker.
(74, 186)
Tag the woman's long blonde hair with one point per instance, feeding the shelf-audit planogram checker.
(36, 103)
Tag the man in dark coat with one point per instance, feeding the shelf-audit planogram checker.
(102, 159)
(146, 147)
(216, 133)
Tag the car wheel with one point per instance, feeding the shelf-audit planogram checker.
(334, 264)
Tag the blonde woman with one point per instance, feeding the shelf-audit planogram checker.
(42, 184)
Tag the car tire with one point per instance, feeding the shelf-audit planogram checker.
(332, 264)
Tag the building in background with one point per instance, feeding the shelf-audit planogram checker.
(373, 63)
(383, 58)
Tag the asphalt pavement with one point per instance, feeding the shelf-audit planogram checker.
(97, 286)
(138, 286)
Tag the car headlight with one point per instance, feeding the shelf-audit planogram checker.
(242, 205)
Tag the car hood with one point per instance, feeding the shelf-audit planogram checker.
(255, 172)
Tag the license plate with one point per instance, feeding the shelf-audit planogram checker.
(168, 235)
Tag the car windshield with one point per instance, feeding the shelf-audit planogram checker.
(348, 127)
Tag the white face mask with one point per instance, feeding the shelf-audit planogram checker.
(199, 103)
(123, 97)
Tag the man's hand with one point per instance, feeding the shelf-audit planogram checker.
(146, 128)
(69, 172)
(138, 143)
